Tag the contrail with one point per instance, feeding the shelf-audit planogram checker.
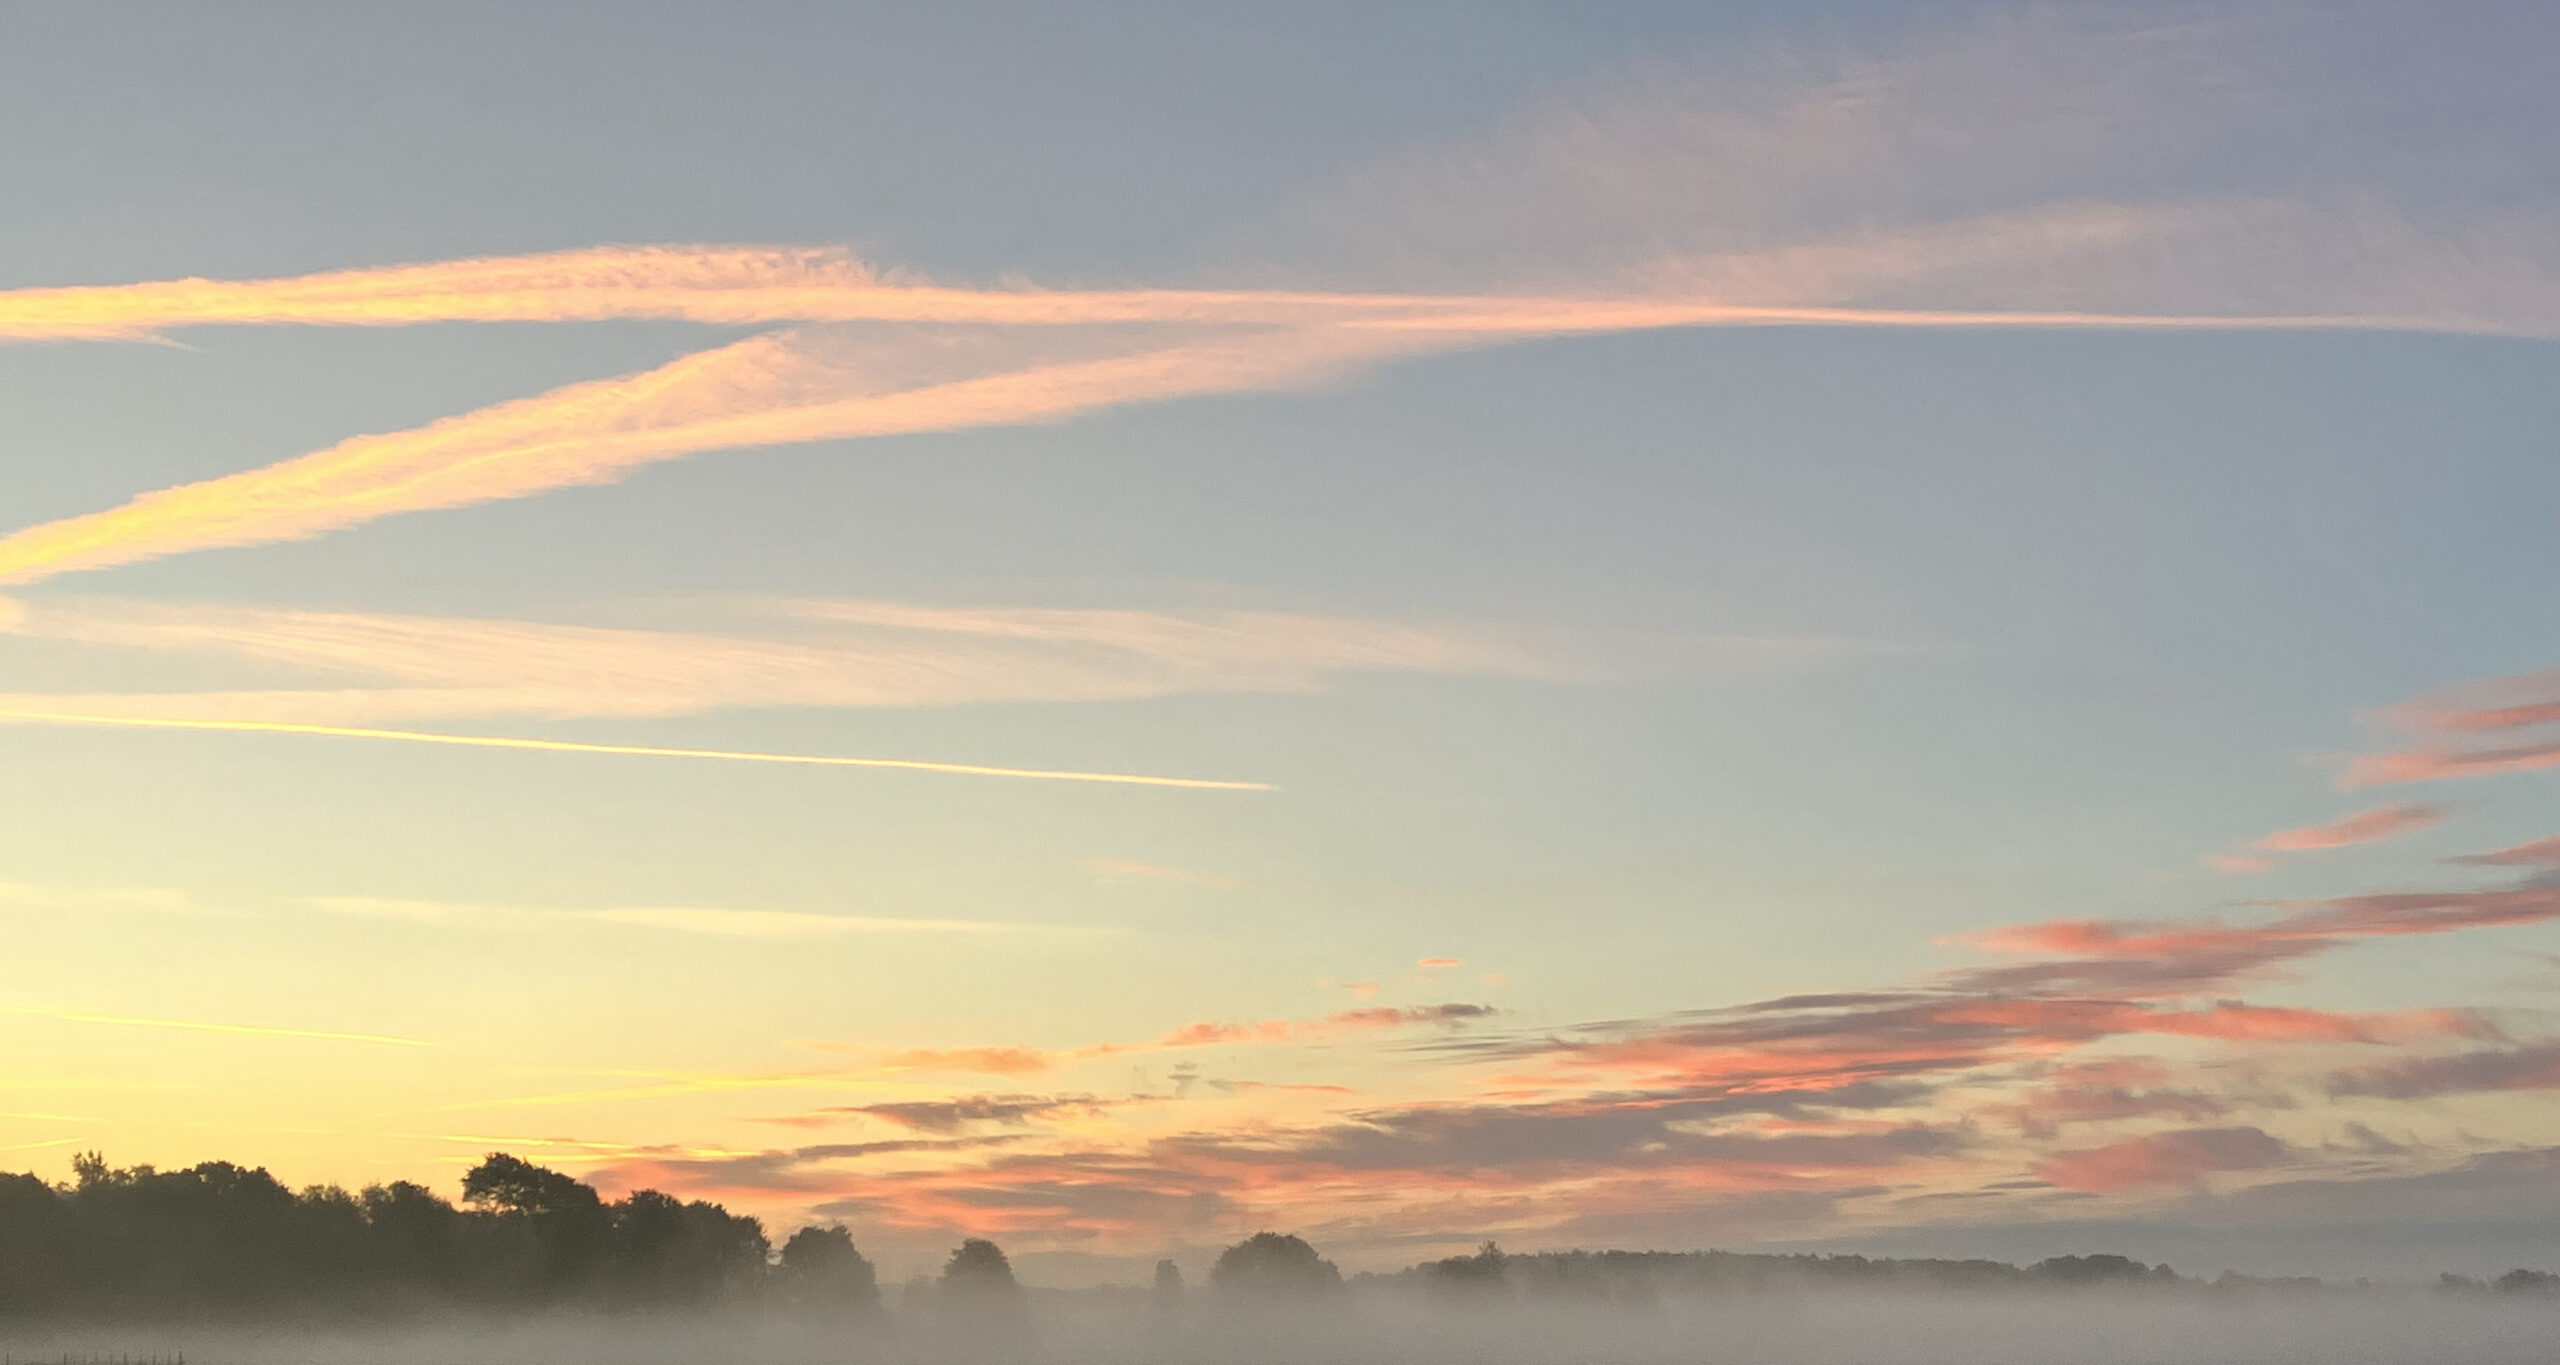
(765, 391)
(780, 389)
(564, 746)
(708, 284)
(201, 1026)
(762, 284)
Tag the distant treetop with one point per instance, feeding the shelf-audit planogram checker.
(979, 1267)
(1274, 1263)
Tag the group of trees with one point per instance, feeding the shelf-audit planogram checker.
(223, 1239)
(219, 1238)
(1643, 1276)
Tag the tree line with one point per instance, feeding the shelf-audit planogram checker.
(221, 1240)
(217, 1240)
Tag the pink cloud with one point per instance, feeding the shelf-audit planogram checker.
(2434, 763)
(2179, 1157)
(2517, 702)
(2508, 703)
(2364, 827)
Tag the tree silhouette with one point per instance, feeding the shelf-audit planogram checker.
(978, 1269)
(822, 1271)
(1482, 1273)
(1272, 1263)
(2538, 1282)
(667, 1251)
(552, 1237)
(978, 1291)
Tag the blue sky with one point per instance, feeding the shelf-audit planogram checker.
(1605, 674)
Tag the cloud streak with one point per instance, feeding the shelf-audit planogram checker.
(814, 653)
(2363, 827)
(2523, 709)
(563, 746)
(771, 390)
(752, 285)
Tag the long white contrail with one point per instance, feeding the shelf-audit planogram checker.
(1020, 355)
(765, 391)
(563, 746)
(734, 285)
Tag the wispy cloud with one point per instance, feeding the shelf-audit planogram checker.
(2438, 762)
(818, 653)
(2017, 160)
(2478, 729)
(2363, 827)
(368, 668)
(944, 1117)
(1272, 1031)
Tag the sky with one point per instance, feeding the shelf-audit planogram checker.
(1921, 628)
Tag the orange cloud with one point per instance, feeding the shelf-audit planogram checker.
(994, 1061)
